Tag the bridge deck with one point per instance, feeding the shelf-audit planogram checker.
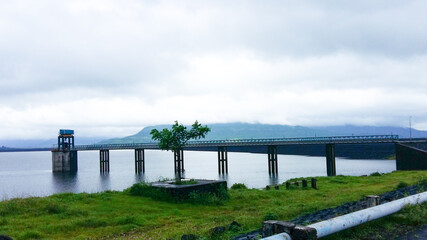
(252, 142)
(243, 142)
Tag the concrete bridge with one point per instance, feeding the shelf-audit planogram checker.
(64, 158)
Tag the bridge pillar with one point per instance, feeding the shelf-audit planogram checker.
(104, 160)
(179, 162)
(64, 161)
(330, 160)
(139, 161)
(222, 160)
(272, 160)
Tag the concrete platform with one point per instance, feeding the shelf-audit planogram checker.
(202, 185)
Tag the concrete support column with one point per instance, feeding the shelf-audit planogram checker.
(179, 162)
(139, 161)
(330, 160)
(104, 160)
(64, 161)
(222, 160)
(272, 160)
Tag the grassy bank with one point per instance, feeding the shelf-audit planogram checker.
(120, 215)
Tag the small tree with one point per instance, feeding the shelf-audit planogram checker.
(176, 138)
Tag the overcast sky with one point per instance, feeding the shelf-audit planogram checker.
(109, 68)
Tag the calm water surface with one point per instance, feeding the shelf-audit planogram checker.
(24, 174)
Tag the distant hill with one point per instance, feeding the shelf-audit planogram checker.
(248, 131)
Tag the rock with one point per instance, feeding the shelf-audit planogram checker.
(304, 183)
(188, 237)
(3, 237)
(268, 228)
(217, 230)
(253, 237)
(304, 233)
(250, 235)
(314, 183)
(285, 227)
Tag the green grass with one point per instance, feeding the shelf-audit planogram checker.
(185, 182)
(120, 215)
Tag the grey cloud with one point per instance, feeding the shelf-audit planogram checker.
(156, 55)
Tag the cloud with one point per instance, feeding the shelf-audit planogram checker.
(108, 68)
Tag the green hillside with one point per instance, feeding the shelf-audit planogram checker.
(233, 131)
(248, 131)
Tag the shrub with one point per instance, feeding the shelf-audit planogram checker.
(238, 186)
(270, 216)
(207, 198)
(413, 214)
(375, 174)
(422, 185)
(54, 208)
(402, 185)
(139, 189)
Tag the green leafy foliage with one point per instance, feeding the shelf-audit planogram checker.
(237, 186)
(189, 182)
(146, 190)
(422, 185)
(402, 185)
(270, 216)
(377, 174)
(175, 139)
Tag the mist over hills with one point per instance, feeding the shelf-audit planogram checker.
(232, 131)
(248, 131)
(43, 143)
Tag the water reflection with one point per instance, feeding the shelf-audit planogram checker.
(223, 176)
(140, 177)
(182, 175)
(104, 181)
(65, 181)
(273, 179)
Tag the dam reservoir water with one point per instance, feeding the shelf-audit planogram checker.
(25, 174)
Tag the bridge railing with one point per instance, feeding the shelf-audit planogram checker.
(240, 142)
(336, 138)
